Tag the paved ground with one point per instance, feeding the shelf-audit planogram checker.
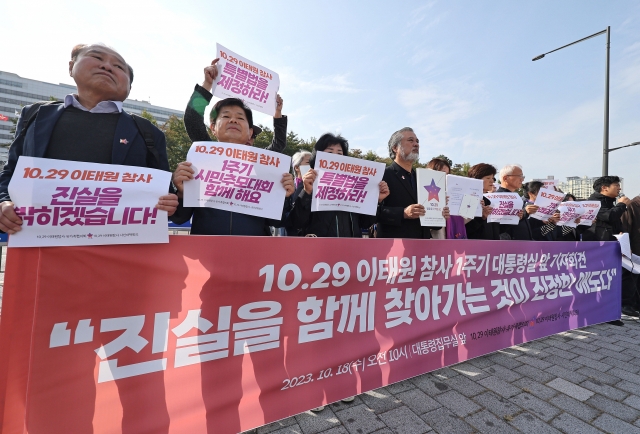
(583, 381)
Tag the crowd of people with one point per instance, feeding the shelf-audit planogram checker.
(94, 115)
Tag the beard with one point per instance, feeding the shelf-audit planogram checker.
(412, 156)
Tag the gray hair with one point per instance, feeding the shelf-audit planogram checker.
(508, 170)
(298, 157)
(395, 140)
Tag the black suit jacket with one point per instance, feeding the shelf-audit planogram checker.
(391, 221)
(35, 141)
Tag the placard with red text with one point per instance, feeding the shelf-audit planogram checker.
(237, 178)
(346, 184)
(548, 200)
(69, 203)
(241, 78)
(506, 207)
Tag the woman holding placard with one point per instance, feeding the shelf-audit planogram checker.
(479, 228)
(341, 224)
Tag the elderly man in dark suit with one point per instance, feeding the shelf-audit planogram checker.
(89, 126)
(399, 214)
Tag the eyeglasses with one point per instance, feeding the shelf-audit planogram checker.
(519, 176)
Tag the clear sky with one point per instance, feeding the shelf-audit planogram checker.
(458, 72)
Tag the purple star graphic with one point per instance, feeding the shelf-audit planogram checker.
(433, 190)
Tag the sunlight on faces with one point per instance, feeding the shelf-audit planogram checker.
(101, 71)
(409, 147)
(487, 183)
(334, 149)
(514, 180)
(231, 126)
(611, 191)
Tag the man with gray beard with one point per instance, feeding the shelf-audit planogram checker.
(399, 213)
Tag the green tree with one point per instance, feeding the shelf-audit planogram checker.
(294, 143)
(461, 169)
(178, 142)
(148, 116)
(445, 158)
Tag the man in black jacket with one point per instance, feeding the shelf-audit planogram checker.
(89, 126)
(511, 178)
(609, 223)
(399, 214)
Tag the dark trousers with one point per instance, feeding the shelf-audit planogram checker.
(630, 289)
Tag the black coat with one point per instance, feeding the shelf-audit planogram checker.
(36, 139)
(480, 229)
(391, 221)
(339, 224)
(521, 231)
(608, 222)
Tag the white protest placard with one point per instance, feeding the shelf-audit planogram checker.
(69, 203)
(506, 207)
(589, 213)
(625, 245)
(346, 184)
(237, 178)
(548, 183)
(239, 77)
(547, 201)
(432, 195)
(569, 212)
(457, 188)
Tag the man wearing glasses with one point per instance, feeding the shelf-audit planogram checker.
(511, 179)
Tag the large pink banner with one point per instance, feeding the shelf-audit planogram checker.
(222, 334)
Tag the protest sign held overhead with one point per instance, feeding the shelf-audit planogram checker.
(547, 201)
(346, 184)
(241, 78)
(506, 207)
(432, 195)
(68, 203)
(237, 178)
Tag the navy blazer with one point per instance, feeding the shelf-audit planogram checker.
(36, 140)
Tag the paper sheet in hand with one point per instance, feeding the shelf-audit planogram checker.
(432, 195)
(547, 200)
(458, 187)
(569, 212)
(468, 206)
(303, 170)
(69, 203)
(589, 213)
(237, 178)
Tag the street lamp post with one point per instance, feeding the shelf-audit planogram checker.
(605, 138)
